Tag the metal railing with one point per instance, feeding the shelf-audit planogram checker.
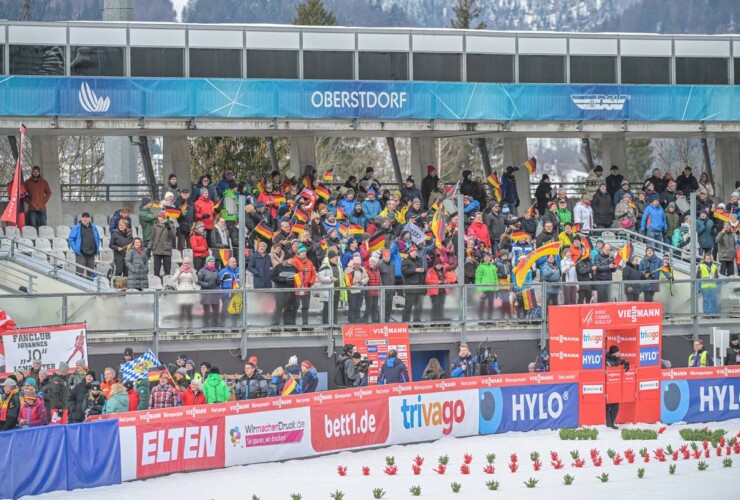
(107, 192)
(271, 311)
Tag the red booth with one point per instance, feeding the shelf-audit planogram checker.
(580, 336)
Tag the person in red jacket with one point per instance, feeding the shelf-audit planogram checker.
(133, 396)
(199, 245)
(372, 313)
(437, 276)
(193, 395)
(33, 411)
(307, 276)
(479, 230)
(268, 198)
(204, 210)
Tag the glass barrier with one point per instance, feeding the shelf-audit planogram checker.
(718, 297)
(33, 310)
(113, 312)
(288, 308)
(199, 310)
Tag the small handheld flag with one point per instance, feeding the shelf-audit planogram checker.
(494, 181)
(722, 215)
(264, 231)
(355, 229)
(138, 368)
(624, 254)
(376, 242)
(322, 192)
(329, 175)
(224, 254)
(289, 386)
(531, 165)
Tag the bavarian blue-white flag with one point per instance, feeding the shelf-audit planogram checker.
(138, 368)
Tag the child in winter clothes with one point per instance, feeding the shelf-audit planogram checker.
(33, 411)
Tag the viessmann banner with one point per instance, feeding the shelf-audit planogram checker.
(28, 96)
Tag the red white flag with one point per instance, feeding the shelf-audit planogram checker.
(10, 214)
(5, 322)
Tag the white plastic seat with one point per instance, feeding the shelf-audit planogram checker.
(46, 232)
(167, 281)
(59, 254)
(39, 255)
(60, 244)
(43, 244)
(105, 242)
(187, 252)
(12, 232)
(62, 232)
(154, 282)
(100, 220)
(102, 268)
(2, 232)
(176, 257)
(134, 220)
(101, 231)
(68, 220)
(29, 232)
(26, 245)
(106, 256)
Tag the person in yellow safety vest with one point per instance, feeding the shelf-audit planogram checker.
(707, 272)
(700, 357)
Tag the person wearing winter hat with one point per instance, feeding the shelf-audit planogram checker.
(614, 358)
(292, 366)
(181, 379)
(11, 405)
(305, 278)
(190, 368)
(429, 184)
(128, 354)
(309, 377)
(733, 350)
(409, 190)
(208, 280)
(330, 275)
(355, 278)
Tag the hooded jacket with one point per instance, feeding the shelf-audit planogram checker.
(215, 389)
(309, 381)
(393, 371)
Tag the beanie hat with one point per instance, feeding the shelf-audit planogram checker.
(505, 210)
(430, 169)
(128, 352)
(9, 382)
(145, 200)
(293, 360)
(332, 254)
(410, 178)
(307, 364)
(182, 371)
(190, 362)
(31, 381)
(301, 248)
(63, 367)
(253, 359)
(210, 258)
(92, 374)
(613, 349)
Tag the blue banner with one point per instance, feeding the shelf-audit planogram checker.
(704, 400)
(59, 457)
(24, 96)
(528, 408)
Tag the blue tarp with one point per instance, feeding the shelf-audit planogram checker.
(59, 457)
(28, 96)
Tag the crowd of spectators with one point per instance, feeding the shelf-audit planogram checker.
(301, 234)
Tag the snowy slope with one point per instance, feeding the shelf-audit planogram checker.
(316, 478)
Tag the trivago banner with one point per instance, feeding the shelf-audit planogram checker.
(19, 348)
(160, 442)
(29, 96)
(700, 394)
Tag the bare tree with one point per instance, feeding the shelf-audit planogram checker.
(81, 161)
(673, 155)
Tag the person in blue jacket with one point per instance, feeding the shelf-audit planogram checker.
(470, 205)
(228, 279)
(371, 206)
(347, 204)
(84, 241)
(357, 216)
(463, 365)
(309, 377)
(653, 221)
(393, 371)
(396, 260)
(705, 232)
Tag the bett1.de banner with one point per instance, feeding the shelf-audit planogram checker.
(20, 347)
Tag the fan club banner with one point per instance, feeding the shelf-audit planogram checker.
(50, 344)
(375, 341)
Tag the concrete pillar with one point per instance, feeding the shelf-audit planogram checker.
(423, 153)
(176, 160)
(614, 152)
(120, 165)
(302, 153)
(515, 154)
(726, 166)
(45, 154)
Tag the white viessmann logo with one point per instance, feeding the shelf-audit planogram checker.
(91, 102)
(598, 102)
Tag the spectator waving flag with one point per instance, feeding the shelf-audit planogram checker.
(329, 175)
(493, 179)
(532, 212)
(13, 211)
(521, 269)
(438, 228)
(264, 231)
(289, 386)
(5, 321)
(722, 215)
(138, 368)
(587, 247)
(376, 242)
(624, 254)
(322, 192)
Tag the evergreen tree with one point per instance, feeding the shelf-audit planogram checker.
(466, 11)
(313, 13)
(639, 159)
(215, 154)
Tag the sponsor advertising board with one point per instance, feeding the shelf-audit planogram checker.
(374, 341)
(19, 348)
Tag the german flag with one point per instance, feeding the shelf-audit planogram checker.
(521, 269)
(224, 254)
(260, 187)
(289, 386)
(300, 215)
(298, 280)
(529, 299)
(264, 231)
(376, 242)
(329, 175)
(298, 227)
(322, 192)
(306, 182)
(531, 165)
(576, 228)
(429, 234)
(493, 179)
(184, 208)
(531, 211)
(624, 254)
(323, 244)
(632, 205)
(217, 206)
(722, 215)
(587, 247)
(172, 212)
(356, 229)
(349, 278)
(278, 199)
(340, 214)
(519, 236)
(438, 229)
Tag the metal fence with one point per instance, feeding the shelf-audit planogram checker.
(310, 311)
(107, 192)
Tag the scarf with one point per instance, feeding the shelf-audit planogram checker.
(211, 265)
(186, 267)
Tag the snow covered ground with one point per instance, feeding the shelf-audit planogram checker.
(316, 478)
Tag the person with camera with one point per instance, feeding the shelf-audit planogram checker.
(348, 372)
(486, 362)
(163, 237)
(393, 371)
(463, 365)
(614, 358)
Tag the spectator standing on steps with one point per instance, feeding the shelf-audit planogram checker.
(147, 218)
(413, 272)
(163, 237)
(84, 241)
(137, 265)
(38, 194)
